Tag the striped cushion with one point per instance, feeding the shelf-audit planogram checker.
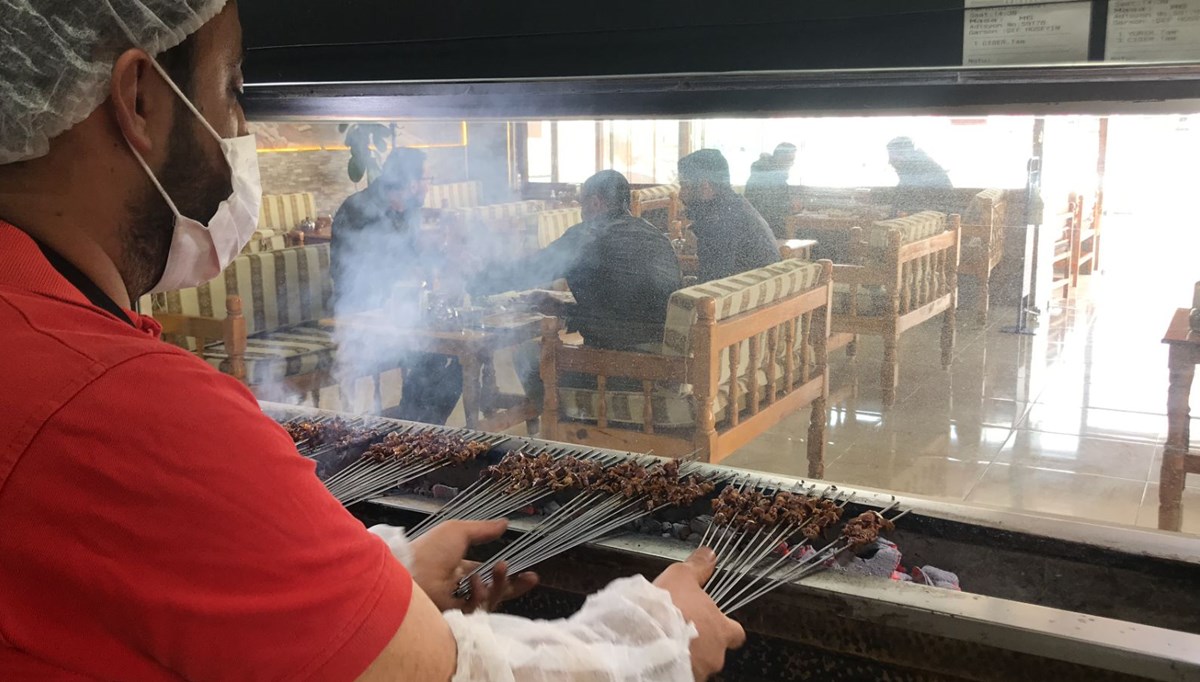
(283, 212)
(734, 295)
(454, 195)
(912, 228)
(278, 289)
(273, 242)
(654, 193)
(501, 212)
(550, 225)
(277, 355)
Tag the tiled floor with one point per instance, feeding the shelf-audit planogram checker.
(1069, 421)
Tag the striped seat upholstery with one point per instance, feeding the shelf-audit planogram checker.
(673, 403)
(494, 213)
(654, 193)
(550, 225)
(283, 294)
(266, 242)
(455, 195)
(283, 212)
(274, 356)
(912, 228)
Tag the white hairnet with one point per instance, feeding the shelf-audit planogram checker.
(56, 59)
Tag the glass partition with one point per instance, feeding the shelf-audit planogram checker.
(1000, 285)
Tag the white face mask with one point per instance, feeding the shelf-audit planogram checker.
(200, 252)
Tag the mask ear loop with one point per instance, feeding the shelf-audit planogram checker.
(175, 88)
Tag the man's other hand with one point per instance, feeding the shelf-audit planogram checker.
(439, 563)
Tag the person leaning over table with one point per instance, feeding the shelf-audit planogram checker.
(922, 184)
(154, 523)
(768, 190)
(376, 245)
(731, 237)
(621, 270)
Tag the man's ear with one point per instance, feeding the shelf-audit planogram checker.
(135, 101)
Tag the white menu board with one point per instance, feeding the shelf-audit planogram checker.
(1153, 30)
(1025, 31)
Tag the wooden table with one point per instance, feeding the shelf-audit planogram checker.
(486, 408)
(1178, 460)
(839, 219)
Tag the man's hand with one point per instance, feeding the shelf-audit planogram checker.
(685, 581)
(439, 563)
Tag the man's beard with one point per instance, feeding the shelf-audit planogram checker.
(197, 185)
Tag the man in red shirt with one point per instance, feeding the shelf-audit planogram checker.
(154, 524)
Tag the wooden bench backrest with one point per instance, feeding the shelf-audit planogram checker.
(912, 272)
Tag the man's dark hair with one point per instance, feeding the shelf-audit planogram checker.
(611, 187)
(403, 167)
(901, 144)
(706, 165)
(784, 149)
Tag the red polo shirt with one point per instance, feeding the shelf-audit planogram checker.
(154, 524)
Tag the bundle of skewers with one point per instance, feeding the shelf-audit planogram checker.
(764, 540)
(609, 498)
(764, 536)
(389, 458)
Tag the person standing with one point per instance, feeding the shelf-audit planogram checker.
(731, 237)
(155, 525)
(376, 246)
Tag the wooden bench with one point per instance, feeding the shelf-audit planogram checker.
(904, 272)
(738, 355)
(258, 321)
(282, 213)
(983, 230)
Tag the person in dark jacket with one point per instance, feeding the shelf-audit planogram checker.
(923, 184)
(621, 270)
(768, 190)
(731, 237)
(376, 249)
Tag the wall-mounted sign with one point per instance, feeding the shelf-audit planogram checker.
(1153, 30)
(1025, 32)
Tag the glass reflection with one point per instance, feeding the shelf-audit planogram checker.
(930, 393)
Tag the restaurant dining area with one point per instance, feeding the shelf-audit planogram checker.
(647, 341)
(977, 349)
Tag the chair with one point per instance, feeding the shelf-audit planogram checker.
(738, 355)
(545, 227)
(281, 213)
(659, 198)
(904, 272)
(455, 195)
(258, 321)
(983, 230)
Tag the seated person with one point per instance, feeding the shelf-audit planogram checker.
(731, 237)
(923, 184)
(374, 251)
(621, 270)
(768, 190)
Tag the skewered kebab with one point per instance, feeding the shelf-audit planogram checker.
(625, 492)
(317, 437)
(403, 456)
(858, 532)
(516, 482)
